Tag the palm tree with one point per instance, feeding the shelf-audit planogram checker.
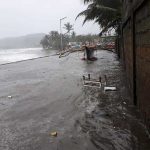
(68, 27)
(107, 13)
(55, 39)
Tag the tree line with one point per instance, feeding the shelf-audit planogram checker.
(52, 39)
(107, 13)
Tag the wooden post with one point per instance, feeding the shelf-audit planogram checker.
(105, 79)
(89, 76)
(83, 79)
(100, 79)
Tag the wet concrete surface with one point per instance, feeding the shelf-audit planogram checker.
(48, 95)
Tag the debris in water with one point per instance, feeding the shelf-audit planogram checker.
(124, 113)
(54, 134)
(110, 88)
(93, 83)
(124, 103)
(9, 96)
(108, 115)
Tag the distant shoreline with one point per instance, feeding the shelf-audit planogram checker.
(21, 48)
(9, 56)
(27, 41)
(24, 60)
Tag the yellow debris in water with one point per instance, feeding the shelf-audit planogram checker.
(54, 134)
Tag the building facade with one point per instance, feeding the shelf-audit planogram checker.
(136, 53)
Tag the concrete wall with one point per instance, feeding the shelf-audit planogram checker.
(136, 39)
(128, 54)
(142, 48)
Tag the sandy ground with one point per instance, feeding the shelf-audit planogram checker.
(48, 95)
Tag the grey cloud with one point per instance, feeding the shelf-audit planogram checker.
(20, 17)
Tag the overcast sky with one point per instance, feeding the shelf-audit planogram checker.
(21, 17)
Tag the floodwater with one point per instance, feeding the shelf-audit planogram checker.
(14, 55)
(48, 96)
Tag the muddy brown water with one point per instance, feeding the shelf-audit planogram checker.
(48, 96)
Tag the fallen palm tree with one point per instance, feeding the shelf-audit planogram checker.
(88, 52)
(66, 52)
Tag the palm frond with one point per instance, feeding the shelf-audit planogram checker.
(103, 12)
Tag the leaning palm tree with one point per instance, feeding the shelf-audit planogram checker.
(68, 27)
(107, 13)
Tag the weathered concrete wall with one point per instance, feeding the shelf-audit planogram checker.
(128, 54)
(142, 48)
(136, 39)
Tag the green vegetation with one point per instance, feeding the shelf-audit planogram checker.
(52, 40)
(86, 38)
(68, 27)
(107, 13)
